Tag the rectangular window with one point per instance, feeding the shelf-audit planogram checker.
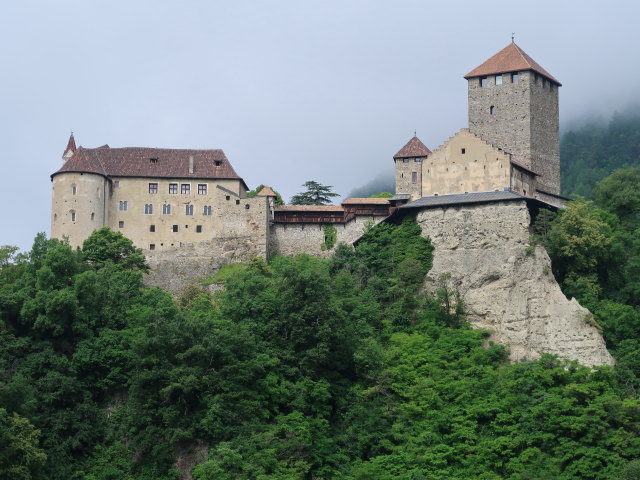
(498, 79)
(202, 189)
(188, 209)
(73, 216)
(207, 210)
(173, 188)
(116, 184)
(185, 188)
(484, 82)
(166, 209)
(174, 228)
(514, 77)
(153, 188)
(123, 205)
(152, 246)
(148, 208)
(198, 228)
(121, 224)
(152, 228)
(414, 177)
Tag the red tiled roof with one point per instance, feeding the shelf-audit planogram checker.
(366, 201)
(309, 208)
(149, 163)
(71, 145)
(266, 192)
(510, 59)
(413, 148)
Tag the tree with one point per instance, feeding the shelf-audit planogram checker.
(258, 189)
(316, 194)
(20, 456)
(104, 246)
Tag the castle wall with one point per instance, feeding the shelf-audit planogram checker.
(297, 238)
(524, 122)
(409, 177)
(506, 284)
(509, 128)
(523, 182)
(78, 206)
(481, 168)
(191, 228)
(545, 134)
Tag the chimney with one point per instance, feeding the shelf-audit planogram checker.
(191, 165)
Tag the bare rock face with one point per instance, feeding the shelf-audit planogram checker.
(507, 285)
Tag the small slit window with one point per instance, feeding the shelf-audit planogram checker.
(73, 215)
(463, 151)
(74, 189)
(492, 110)
(93, 216)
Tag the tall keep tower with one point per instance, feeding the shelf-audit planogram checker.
(513, 105)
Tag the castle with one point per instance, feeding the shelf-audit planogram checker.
(475, 197)
(166, 199)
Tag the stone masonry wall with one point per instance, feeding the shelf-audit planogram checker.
(545, 134)
(405, 169)
(297, 238)
(506, 285)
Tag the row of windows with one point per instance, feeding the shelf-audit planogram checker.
(407, 160)
(166, 209)
(174, 228)
(185, 188)
(484, 81)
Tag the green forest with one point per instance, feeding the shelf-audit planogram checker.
(305, 368)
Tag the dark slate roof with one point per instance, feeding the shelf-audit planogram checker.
(510, 59)
(413, 148)
(308, 208)
(463, 198)
(150, 163)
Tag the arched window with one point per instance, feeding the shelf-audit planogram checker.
(93, 216)
(492, 110)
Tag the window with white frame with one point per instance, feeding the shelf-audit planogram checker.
(153, 188)
(173, 188)
(202, 189)
(123, 205)
(185, 188)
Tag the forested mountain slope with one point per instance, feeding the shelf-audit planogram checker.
(306, 368)
(593, 151)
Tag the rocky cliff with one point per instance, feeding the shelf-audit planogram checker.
(507, 285)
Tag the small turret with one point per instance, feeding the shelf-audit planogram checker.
(70, 150)
(409, 168)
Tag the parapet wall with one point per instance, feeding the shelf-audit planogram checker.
(297, 238)
(506, 283)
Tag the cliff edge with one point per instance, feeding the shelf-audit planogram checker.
(506, 283)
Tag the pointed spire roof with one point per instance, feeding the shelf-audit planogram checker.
(510, 59)
(413, 148)
(266, 192)
(71, 145)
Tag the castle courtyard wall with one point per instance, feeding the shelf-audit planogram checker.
(297, 238)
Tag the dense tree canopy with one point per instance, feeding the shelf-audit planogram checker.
(305, 368)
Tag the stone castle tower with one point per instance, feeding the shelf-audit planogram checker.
(513, 105)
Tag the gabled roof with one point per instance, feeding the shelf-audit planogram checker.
(71, 145)
(150, 163)
(510, 59)
(266, 192)
(413, 148)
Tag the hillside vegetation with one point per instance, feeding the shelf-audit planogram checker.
(593, 151)
(306, 368)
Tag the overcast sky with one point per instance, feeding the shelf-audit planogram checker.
(290, 90)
